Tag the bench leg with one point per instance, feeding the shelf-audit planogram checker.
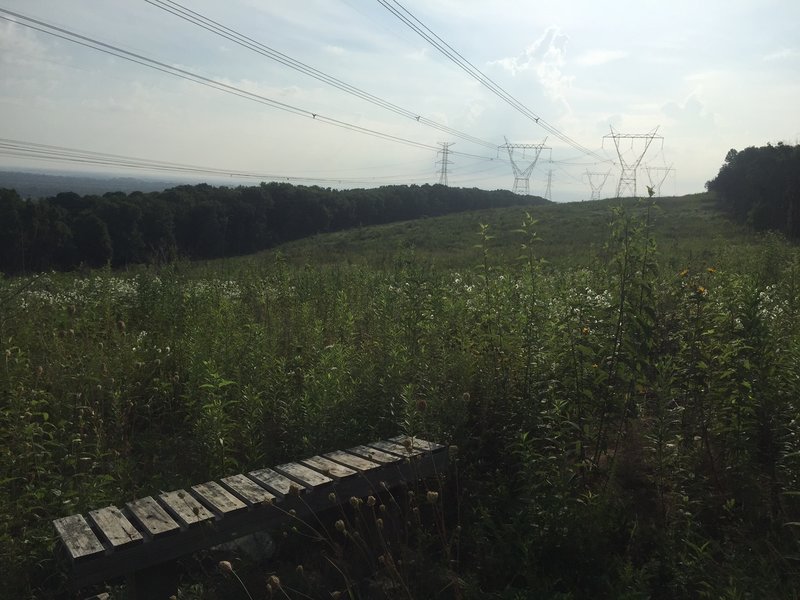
(158, 582)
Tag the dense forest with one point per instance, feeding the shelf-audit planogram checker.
(203, 221)
(761, 187)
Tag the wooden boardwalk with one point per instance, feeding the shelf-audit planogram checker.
(111, 542)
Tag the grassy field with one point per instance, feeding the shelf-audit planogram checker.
(621, 382)
(687, 229)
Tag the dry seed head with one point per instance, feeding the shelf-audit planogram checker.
(292, 512)
(379, 523)
(299, 570)
(225, 566)
(269, 589)
(339, 526)
(354, 501)
(275, 581)
(407, 443)
(332, 497)
(294, 490)
(383, 508)
(432, 497)
(336, 595)
(370, 501)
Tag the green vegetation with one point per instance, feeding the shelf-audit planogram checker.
(761, 187)
(201, 221)
(625, 413)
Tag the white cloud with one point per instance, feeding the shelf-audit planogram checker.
(546, 57)
(594, 58)
(785, 54)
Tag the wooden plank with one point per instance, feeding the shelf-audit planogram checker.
(308, 477)
(186, 508)
(218, 498)
(152, 517)
(278, 484)
(328, 467)
(79, 539)
(374, 454)
(248, 489)
(115, 527)
(416, 443)
(351, 460)
(396, 448)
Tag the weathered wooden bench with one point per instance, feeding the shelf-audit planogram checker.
(138, 540)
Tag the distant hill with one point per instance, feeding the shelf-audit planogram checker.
(688, 230)
(40, 185)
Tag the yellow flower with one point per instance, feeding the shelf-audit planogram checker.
(711, 270)
(683, 273)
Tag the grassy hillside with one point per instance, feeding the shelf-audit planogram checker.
(687, 229)
(625, 415)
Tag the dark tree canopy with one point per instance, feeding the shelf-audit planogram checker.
(761, 187)
(201, 221)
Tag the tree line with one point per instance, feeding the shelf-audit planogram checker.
(201, 221)
(761, 187)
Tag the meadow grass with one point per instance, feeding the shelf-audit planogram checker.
(620, 380)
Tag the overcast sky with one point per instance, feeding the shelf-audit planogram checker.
(711, 75)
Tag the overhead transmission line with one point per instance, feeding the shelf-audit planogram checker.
(452, 54)
(32, 150)
(238, 38)
(106, 48)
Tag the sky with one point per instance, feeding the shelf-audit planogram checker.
(710, 76)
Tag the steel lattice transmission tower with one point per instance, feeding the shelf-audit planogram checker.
(522, 177)
(657, 180)
(549, 181)
(444, 153)
(597, 184)
(627, 177)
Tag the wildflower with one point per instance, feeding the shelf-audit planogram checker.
(683, 273)
(585, 331)
(711, 270)
(701, 290)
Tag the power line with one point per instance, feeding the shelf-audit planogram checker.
(112, 50)
(238, 38)
(458, 59)
(47, 152)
